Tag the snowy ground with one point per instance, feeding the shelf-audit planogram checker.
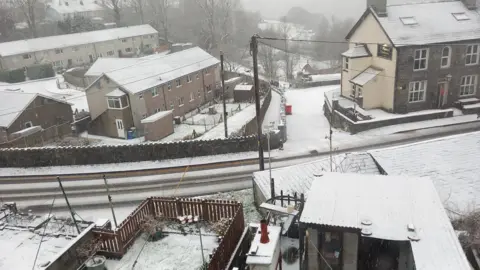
(50, 87)
(273, 112)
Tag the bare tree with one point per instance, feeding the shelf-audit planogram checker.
(160, 9)
(285, 29)
(139, 6)
(28, 10)
(268, 59)
(115, 5)
(7, 24)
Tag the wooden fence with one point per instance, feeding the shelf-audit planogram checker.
(116, 242)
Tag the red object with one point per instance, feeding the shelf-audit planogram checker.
(442, 92)
(288, 109)
(263, 230)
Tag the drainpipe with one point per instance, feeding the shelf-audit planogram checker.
(203, 83)
(164, 98)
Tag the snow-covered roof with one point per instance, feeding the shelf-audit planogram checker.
(365, 76)
(243, 87)
(155, 117)
(451, 162)
(264, 253)
(357, 51)
(435, 22)
(105, 64)
(70, 40)
(390, 203)
(74, 6)
(14, 103)
(298, 178)
(326, 77)
(150, 73)
(116, 93)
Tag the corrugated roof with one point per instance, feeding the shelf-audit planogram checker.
(298, 178)
(366, 76)
(62, 41)
(357, 51)
(436, 23)
(147, 74)
(391, 203)
(453, 163)
(155, 117)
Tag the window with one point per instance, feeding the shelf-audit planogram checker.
(199, 94)
(468, 85)
(151, 36)
(74, 49)
(192, 96)
(147, 46)
(154, 91)
(461, 16)
(189, 79)
(144, 116)
(416, 91)
(172, 106)
(79, 60)
(345, 63)
(27, 56)
(178, 82)
(58, 51)
(58, 63)
(198, 75)
(207, 71)
(169, 86)
(117, 102)
(128, 49)
(472, 53)
(28, 124)
(446, 53)
(110, 53)
(420, 59)
(180, 102)
(140, 96)
(124, 40)
(209, 88)
(384, 51)
(157, 110)
(408, 20)
(100, 55)
(356, 91)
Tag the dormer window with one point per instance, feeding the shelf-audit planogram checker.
(408, 20)
(461, 16)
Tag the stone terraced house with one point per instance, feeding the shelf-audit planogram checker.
(407, 56)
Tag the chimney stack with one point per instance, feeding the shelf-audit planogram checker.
(264, 233)
(379, 6)
(470, 4)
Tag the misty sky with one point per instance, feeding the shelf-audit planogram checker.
(273, 9)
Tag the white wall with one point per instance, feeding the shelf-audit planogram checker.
(97, 102)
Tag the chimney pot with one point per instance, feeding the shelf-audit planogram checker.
(264, 233)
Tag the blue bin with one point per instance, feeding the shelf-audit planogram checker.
(130, 135)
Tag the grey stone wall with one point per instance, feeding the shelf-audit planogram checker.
(434, 74)
(84, 155)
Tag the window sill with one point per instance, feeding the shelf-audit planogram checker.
(117, 108)
(179, 86)
(192, 100)
(419, 101)
(470, 65)
(423, 69)
(155, 96)
(181, 105)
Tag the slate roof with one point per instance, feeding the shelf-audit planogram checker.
(70, 40)
(436, 23)
(149, 73)
(453, 163)
(298, 178)
(390, 203)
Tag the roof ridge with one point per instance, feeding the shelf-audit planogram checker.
(421, 3)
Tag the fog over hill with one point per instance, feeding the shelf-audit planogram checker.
(273, 9)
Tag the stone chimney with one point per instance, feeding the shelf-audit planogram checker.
(380, 6)
(471, 4)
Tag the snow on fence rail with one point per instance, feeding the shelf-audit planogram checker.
(116, 242)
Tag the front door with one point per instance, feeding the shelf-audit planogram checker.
(120, 128)
(442, 94)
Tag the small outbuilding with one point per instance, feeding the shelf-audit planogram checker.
(158, 126)
(243, 92)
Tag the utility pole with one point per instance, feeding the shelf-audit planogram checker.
(110, 201)
(254, 52)
(68, 204)
(223, 94)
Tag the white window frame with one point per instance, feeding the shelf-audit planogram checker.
(27, 56)
(189, 78)
(448, 57)
(209, 88)
(27, 123)
(157, 110)
(420, 59)
(154, 91)
(144, 116)
(172, 105)
(124, 40)
(473, 56)
(181, 101)
(169, 86)
(356, 91)
(75, 49)
(58, 63)
(178, 82)
(140, 96)
(470, 88)
(128, 50)
(419, 87)
(199, 93)
(207, 71)
(198, 75)
(114, 99)
(192, 96)
(58, 51)
(110, 53)
(346, 63)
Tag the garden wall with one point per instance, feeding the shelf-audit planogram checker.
(85, 155)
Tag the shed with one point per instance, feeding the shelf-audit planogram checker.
(158, 125)
(243, 92)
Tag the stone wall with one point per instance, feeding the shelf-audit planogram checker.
(40, 137)
(84, 155)
(251, 126)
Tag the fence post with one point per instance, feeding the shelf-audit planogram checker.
(178, 204)
(204, 210)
